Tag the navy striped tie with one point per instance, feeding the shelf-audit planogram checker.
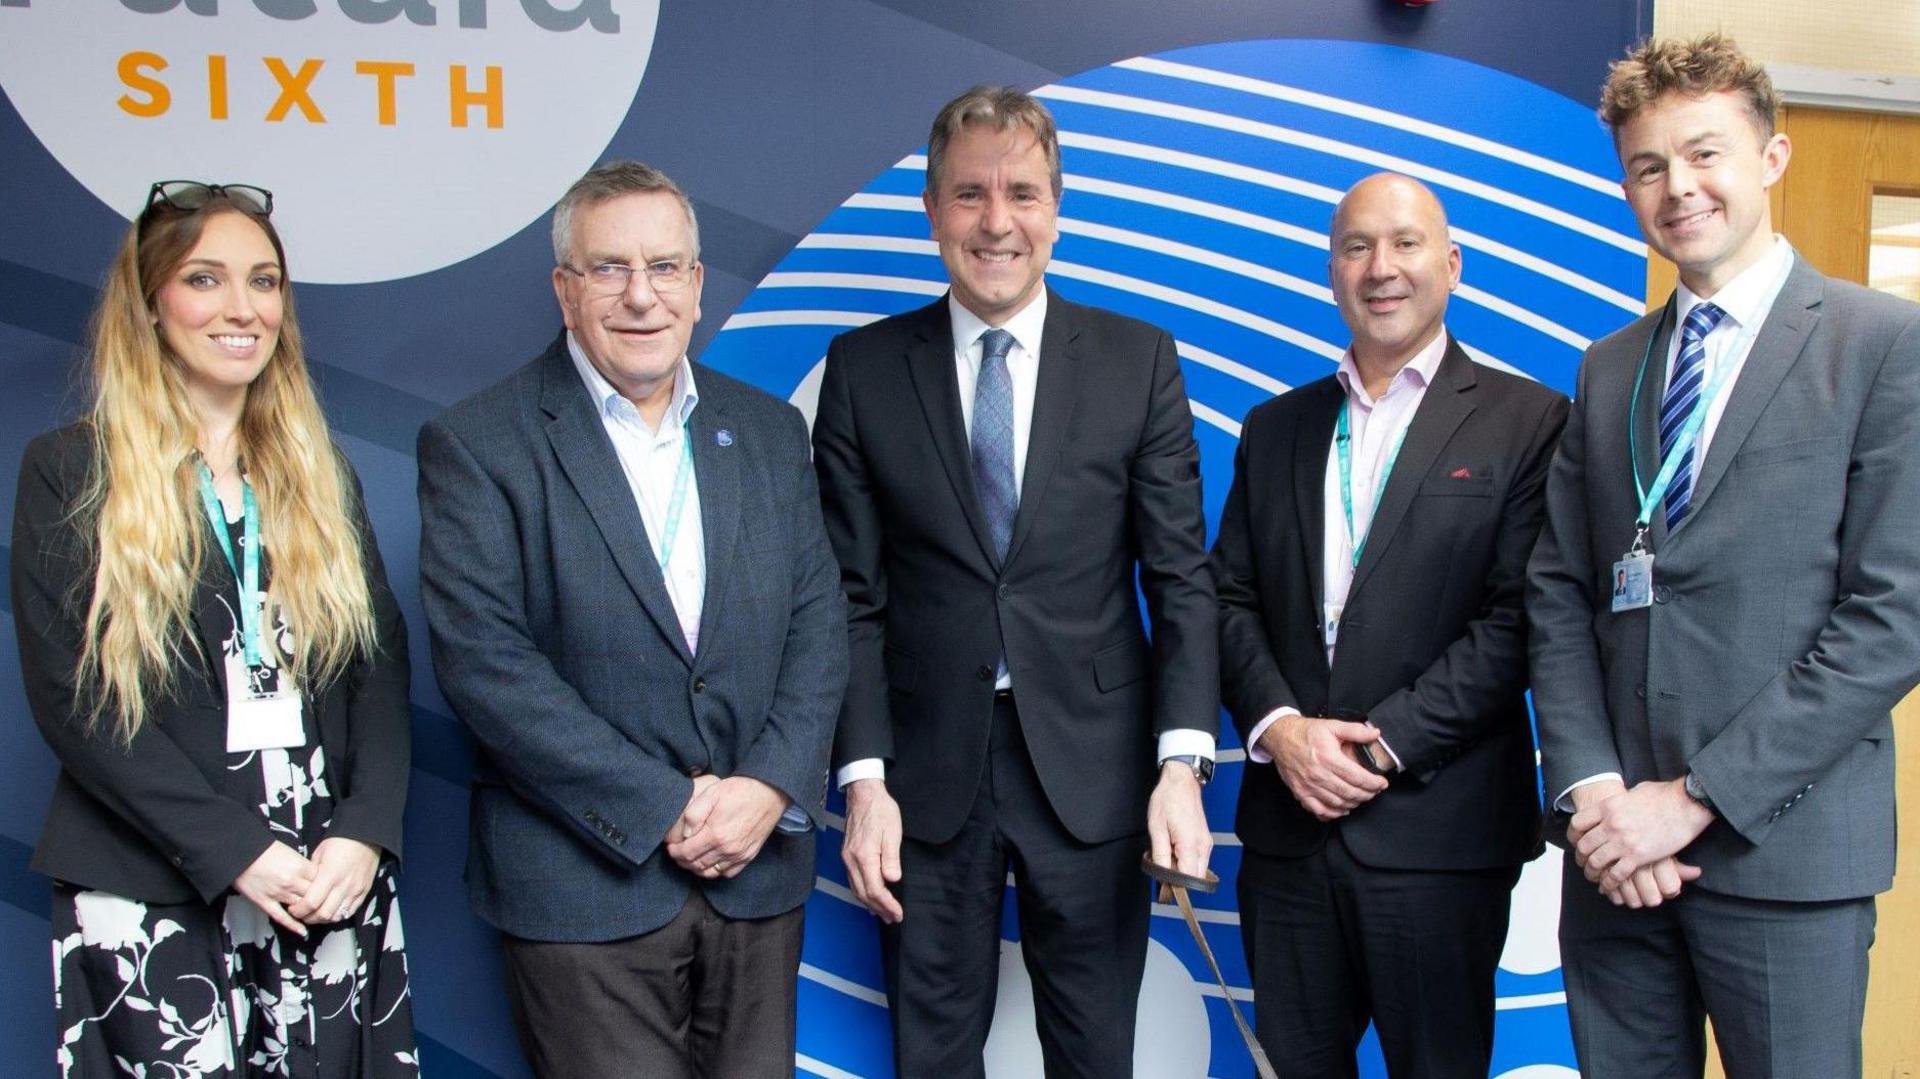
(1689, 373)
(993, 439)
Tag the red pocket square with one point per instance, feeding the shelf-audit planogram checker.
(1460, 474)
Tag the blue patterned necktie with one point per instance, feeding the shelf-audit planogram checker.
(993, 439)
(1689, 373)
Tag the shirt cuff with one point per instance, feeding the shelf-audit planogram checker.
(1564, 804)
(1254, 752)
(793, 821)
(864, 768)
(1391, 755)
(1185, 742)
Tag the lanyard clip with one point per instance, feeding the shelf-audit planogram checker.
(1639, 541)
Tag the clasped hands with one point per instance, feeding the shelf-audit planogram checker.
(725, 824)
(1177, 836)
(1315, 759)
(1625, 840)
(297, 892)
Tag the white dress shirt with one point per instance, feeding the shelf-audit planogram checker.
(1023, 367)
(1374, 426)
(651, 459)
(1747, 300)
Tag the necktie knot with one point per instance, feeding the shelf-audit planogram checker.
(1701, 320)
(995, 344)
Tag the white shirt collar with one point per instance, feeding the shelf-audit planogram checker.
(608, 401)
(1746, 298)
(1025, 325)
(1418, 371)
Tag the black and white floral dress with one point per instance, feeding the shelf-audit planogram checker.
(190, 990)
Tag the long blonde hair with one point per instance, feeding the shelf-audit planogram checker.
(141, 513)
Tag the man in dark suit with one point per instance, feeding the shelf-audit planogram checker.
(996, 468)
(1370, 563)
(634, 608)
(1721, 736)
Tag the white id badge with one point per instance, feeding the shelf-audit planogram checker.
(263, 721)
(1633, 582)
(1330, 622)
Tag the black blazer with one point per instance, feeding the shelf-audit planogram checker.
(1112, 483)
(162, 820)
(1433, 639)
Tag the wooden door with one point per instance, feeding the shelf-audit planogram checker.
(1824, 205)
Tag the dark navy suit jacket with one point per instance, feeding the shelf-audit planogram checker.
(556, 643)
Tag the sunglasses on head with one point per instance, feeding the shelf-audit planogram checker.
(190, 195)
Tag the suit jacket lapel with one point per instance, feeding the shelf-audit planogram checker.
(1784, 333)
(930, 362)
(1312, 441)
(1054, 395)
(586, 455)
(1645, 449)
(716, 467)
(1447, 404)
(213, 617)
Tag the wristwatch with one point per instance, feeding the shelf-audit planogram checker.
(1202, 766)
(1698, 792)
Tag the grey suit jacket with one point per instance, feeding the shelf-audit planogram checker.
(1786, 614)
(555, 641)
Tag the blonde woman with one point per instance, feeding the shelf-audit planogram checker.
(209, 646)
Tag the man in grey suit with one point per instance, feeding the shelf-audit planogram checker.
(1717, 721)
(635, 610)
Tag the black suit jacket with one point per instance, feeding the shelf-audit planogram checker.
(163, 820)
(1112, 484)
(1433, 638)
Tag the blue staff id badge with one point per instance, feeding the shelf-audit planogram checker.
(1330, 622)
(1633, 582)
(262, 720)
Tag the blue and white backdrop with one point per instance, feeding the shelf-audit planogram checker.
(414, 146)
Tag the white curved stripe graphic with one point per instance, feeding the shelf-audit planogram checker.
(1334, 147)
(1074, 271)
(821, 1068)
(1213, 416)
(1278, 182)
(843, 985)
(1497, 364)
(1521, 315)
(1532, 1000)
(1230, 756)
(869, 282)
(754, 320)
(1230, 367)
(1142, 241)
(1398, 121)
(1208, 989)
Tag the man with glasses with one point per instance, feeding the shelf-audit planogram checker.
(635, 610)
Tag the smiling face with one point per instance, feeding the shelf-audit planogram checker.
(1697, 174)
(219, 311)
(636, 337)
(995, 218)
(1392, 267)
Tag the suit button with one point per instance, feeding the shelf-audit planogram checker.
(699, 685)
(178, 861)
(696, 772)
(983, 673)
(1640, 690)
(1005, 591)
(1661, 593)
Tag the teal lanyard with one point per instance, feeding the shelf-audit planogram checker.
(677, 502)
(1650, 496)
(248, 575)
(1343, 443)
